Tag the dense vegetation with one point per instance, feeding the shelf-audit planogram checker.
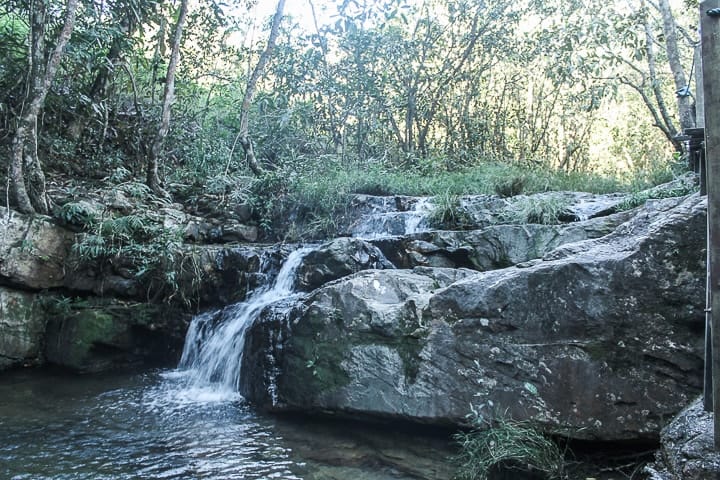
(438, 97)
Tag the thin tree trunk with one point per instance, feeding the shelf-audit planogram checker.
(684, 101)
(153, 179)
(244, 134)
(29, 191)
(668, 124)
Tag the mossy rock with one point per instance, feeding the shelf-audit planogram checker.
(102, 335)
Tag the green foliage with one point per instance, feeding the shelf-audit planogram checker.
(546, 210)
(81, 214)
(449, 213)
(506, 444)
(639, 198)
(140, 245)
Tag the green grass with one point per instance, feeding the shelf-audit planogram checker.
(328, 174)
(308, 196)
(524, 210)
(505, 444)
(639, 198)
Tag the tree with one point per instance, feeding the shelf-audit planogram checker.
(26, 173)
(243, 135)
(682, 87)
(152, 178)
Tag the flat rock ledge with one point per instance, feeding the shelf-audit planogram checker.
(687, 451)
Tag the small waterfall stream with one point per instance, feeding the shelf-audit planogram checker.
(213, 352)
(387, 221)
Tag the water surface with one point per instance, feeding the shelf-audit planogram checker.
(157, 426)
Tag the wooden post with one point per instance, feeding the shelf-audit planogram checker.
(710, 32)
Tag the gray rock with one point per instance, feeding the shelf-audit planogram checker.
(603, 343)
(497, 246)
(688, 451)
(22, 328)
(237, 232)
(32, 251)
(117, 201)
(337, 259)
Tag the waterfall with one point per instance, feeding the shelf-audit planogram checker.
(213, 351)
(383, 223)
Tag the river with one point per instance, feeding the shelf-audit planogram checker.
(155, 425)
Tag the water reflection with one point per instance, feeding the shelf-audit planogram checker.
(156, 426)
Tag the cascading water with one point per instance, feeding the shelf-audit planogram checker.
(384, 223)
(213, 352)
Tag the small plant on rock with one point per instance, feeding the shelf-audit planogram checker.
(543, 210)
(449, 213)
(504, 445)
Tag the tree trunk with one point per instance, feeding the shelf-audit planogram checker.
(244, 134)
(682, 86)
(668, 125)
(153, 179)
(26, 173)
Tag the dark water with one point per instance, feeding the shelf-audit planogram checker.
(152, 426)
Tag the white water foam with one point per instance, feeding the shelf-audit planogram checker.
(212, 357)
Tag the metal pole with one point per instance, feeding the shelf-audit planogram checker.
(710, 32)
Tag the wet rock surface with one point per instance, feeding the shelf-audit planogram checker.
(22, 323)
(602, 339)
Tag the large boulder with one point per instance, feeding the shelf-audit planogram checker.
(337, 259)
(97, 335)
(22, 327)
(32, 251)
(603, 340)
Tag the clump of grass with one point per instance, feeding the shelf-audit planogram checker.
(503, 445)
(639, 198)
(545, 210)
(449, 213)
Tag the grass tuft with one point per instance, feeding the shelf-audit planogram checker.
(505, 445)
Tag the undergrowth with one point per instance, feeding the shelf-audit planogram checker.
(137, 246)
(308, 197)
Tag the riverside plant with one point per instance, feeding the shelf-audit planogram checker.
(504, 445)
(544, 210)
(449, 213)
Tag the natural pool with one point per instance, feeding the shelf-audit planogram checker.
(153, 426)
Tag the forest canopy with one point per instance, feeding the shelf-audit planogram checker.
(422, 86)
